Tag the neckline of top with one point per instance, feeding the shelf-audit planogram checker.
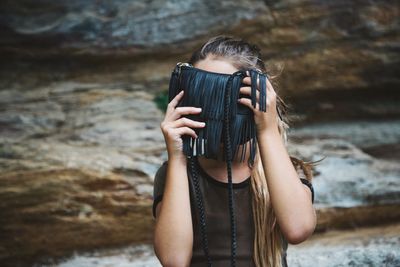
(241, 184)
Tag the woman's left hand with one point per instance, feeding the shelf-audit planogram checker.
(264, 120)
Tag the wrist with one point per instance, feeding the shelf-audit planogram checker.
(271, 131)
(177, 158)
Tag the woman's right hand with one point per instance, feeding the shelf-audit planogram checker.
(173, 126)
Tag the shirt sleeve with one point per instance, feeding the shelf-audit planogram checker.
(159, 184)
(305, 181)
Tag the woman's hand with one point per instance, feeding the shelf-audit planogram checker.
(173, 126)
(264, 120)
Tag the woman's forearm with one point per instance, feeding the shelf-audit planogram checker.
(291, 200)
(173, 235)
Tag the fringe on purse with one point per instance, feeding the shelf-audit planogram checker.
(208, 90)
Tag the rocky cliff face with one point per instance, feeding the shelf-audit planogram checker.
(320, 45)
(79, 130)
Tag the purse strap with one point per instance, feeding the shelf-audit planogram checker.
(232, 82)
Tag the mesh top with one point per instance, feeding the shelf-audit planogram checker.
(215, 197)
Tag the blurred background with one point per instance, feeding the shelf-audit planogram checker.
(82, 92)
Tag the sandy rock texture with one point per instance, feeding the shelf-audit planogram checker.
(77, 166)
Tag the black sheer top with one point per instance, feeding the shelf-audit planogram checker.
(215, 197)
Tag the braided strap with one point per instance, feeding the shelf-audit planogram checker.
(228, 157)
(200, 207)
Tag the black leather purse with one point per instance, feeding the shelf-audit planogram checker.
(227, 122)
(217, 94)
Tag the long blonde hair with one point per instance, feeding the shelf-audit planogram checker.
(268, 237)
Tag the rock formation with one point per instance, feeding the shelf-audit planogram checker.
(79, 129)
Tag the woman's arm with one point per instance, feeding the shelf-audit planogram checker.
(290, 198)
(173, 234)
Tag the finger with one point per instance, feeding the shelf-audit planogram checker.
(179, 111)
(247, 102)
(174, 102)
(187, 122)
(186, 130)
(187, 110)
(247, 80)
(247, 90)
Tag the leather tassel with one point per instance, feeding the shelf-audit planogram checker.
(204, 89)
(242, 127)
(263, 93)
(254, 76)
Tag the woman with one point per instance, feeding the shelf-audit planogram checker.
(273, 206)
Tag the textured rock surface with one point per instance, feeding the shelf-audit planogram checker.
(352, 177)
(351, 182)
(105, 25)
(79, 160)
(79, 133)
(321, 45)
(361, 247)
(77, 163)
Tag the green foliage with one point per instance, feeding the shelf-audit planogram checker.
(161, 100)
